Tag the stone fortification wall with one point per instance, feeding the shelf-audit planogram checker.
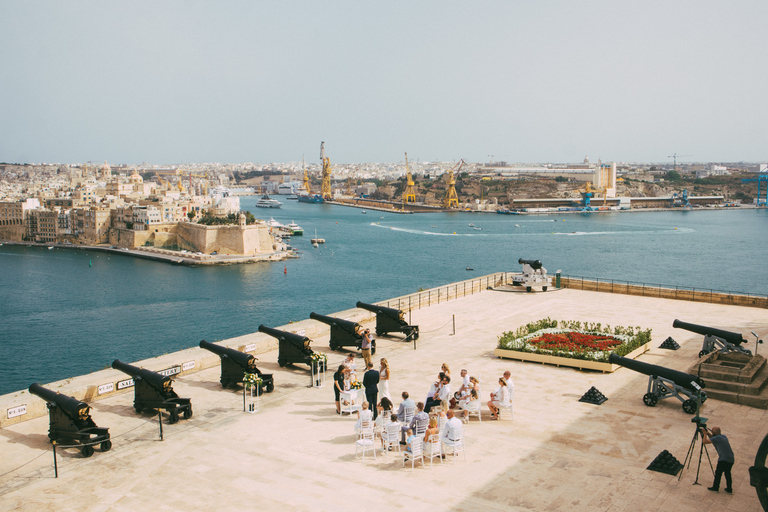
(227, 239)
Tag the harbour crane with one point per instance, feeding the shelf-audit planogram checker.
(409, 196)
(451, 199)
(761, 178)
(325, 184)
(674, 157)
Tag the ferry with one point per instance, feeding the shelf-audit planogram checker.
(295, 229)
(266, 202)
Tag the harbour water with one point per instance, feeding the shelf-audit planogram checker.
(67, 312)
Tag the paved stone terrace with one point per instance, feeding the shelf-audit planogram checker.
(297, 454)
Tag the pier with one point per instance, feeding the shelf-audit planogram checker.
(297, 454)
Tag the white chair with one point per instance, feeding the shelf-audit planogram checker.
(390, 436)
(456, 444)
(473, 408)
(408, 415)
(415, 453)
(432, 449)
(365, 440)
(508, 408)
(442, 421)
(421, 427)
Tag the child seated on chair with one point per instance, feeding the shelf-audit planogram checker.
(393, 424)
(411, 439)
(467, 406)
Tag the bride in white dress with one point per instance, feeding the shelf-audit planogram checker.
(384, 379)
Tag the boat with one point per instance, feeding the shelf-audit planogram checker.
(434, 226)
(470, 268)
(316, 240)
(310, 198)
(471, 225)
(293, 197)
(364, 211)
(274, 224)
(285, 189)
(478, 229)
(266, 202)
(295, 229)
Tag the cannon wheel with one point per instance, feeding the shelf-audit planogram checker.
(173, 418)
(703, 353)
(334, 346)
(280, 362)
(650, 399)
(87, 451)
(528, 289)
(516, 283)
(543, 288)
(270, 387)
(373, 348)
(689, 406)
(106, 445)
(137, 408)
(188, 412)
(379, 333)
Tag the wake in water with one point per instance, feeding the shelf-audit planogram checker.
(510, 235)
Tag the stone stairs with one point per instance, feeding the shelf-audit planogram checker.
(736, 378)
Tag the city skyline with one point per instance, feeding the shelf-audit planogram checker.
(197, 82)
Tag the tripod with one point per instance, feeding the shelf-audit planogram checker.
(700, 422)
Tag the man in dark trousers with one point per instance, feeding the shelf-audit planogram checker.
(371, 384)
(724, 457)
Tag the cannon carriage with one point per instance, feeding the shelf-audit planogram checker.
(155, 391)
(70, 421)
(534, 274)
(666, 383)
(235, 364)
(293, 348)
(715, 339)
(344, 333)
(390, 320)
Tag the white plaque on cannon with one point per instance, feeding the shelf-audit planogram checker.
(17, 411)
(106, 388)
(187, 366)
(250, 348)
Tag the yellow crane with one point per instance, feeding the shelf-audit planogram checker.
(451, 199)
(306, 176)
(325, 185)
(409, 196)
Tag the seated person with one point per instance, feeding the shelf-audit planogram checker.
(452, 431)
(393, 424)
(441, 396)
(365, 414)
(410, 442)
(432, 430)
(384, 410)
(419, 416)
(407, 402)
(472, 398)
(499, 398)
(435, 387)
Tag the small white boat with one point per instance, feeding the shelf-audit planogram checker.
(274, 224)
(364, 211)
(471, 225)
(316, 240)
(434, 226)
(266, 202)
(478, 229)
(51, 247)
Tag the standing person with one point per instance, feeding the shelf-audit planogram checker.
(371, 383)
(384, 379)
(338, 385)
(366, 347)
(725, 457)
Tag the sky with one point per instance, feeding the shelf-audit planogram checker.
(256, 81)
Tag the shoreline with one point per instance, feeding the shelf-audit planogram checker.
(188, 259)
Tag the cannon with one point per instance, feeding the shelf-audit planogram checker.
(724, 341)
(390, 320)
(154, 391)
(344, 333)
(665, 383)
(294, 348)
(235, 364)
(70, 421)
(534, 274)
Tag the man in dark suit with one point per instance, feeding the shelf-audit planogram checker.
(371, 384)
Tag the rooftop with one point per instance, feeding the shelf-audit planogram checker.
(297, 454)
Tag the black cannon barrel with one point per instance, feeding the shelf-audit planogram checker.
(681, 379)
(72, 407)
(294, 339)
(730, 337)
(241, 358)
(535, 264)
(347, 325)
(394, 313)
(154, 379)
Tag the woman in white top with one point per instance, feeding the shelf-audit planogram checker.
(365, 414)
(384, 379)
(499, 398)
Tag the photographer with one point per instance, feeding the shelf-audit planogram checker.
(366, 346)
(724, 457)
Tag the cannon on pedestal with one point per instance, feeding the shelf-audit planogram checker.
(665, 383)
(152, 390)
(534, 274)
(235, 364)
(344, 333)
(70, 421)
(390, 320)
(724, 341)
(294, 348)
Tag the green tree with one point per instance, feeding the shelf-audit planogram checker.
(191, 214)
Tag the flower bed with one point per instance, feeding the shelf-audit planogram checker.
(569, 343)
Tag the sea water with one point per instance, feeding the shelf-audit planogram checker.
(71, 311)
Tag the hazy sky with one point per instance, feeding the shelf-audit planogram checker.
(524, 81)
